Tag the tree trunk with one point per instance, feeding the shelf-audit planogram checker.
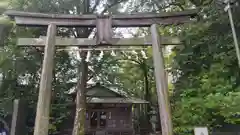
(80, 116)
(146, 82)
(147, 95)
(79, 122)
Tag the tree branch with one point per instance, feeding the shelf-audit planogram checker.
(87, 6)
(95, 6)
(133, 60)
(111, 5)
(177, 4)
(96, 71)
(157, 3)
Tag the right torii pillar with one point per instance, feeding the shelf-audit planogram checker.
(161, 83)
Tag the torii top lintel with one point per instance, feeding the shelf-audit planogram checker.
(90, 20)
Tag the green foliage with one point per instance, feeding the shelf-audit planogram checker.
(207, 89)
(3, 5)
(205, 71)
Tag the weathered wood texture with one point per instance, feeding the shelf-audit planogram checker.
(118, 20)
(18, 125)
(161, 83)
(104, 30)
(85, 42)
(45, 90)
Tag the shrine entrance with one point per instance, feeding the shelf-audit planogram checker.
(109, 112)
(104, 40)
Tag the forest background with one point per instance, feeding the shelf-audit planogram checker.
(205, 77)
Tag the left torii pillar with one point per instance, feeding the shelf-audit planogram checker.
(45, 90)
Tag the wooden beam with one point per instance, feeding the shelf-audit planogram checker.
(14, 13)
(45, 90)
(118, 20)
(161, 83)
(86, 42)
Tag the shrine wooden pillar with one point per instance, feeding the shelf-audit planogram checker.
(45, 90)
(161, 83)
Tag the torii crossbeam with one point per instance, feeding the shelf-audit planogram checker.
(104, 26)
(89, 20)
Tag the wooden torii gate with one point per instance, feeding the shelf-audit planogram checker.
(103, 24)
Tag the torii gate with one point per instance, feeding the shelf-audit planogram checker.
(104, 24)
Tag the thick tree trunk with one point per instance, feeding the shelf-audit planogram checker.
(80, 116)
(79, 122)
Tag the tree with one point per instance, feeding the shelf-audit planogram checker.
(207, 73)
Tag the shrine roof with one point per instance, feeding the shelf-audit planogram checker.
(116, 100)
(102, 94)
(98, 90)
